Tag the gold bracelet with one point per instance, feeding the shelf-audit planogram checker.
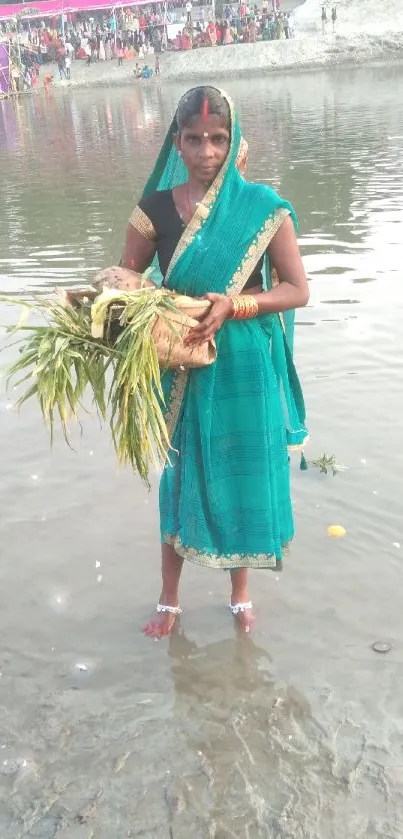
(244, 306)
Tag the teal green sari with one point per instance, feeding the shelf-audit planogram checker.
(225, 494)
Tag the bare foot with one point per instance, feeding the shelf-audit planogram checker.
(245, 620)
(161, 624)
(244, 617)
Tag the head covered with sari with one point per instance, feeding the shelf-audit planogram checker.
(239, 217)
(229, 233)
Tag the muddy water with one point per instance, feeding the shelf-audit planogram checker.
(296, 732)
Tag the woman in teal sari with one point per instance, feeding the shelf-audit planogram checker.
(225, 494)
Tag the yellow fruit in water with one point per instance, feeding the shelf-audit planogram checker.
(336, 530)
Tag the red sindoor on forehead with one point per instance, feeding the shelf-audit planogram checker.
(205, 110)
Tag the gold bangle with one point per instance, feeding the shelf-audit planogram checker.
(244, 306)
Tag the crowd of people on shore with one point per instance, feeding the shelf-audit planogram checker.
(131, 33)
(234, 29)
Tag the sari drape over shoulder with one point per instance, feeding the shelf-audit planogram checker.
(225, 494)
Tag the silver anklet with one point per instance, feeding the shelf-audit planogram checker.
(240, 607)
(173, 610)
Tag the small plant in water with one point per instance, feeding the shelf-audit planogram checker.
(326, 463)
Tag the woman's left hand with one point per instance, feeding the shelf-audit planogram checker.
(221, 309)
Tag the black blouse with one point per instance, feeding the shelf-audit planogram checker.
(166, 228)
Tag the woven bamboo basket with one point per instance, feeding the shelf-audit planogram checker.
(169, 330)
(169, 333)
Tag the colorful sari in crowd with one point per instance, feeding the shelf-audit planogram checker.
(212, 34)
(228, 39)
(225, 494)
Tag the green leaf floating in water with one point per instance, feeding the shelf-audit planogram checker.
(326, 463)
(70, 352)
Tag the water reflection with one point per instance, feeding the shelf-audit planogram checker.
(256, 752)
(253, 739)
(70, 164)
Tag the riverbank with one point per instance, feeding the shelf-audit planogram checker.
(247, 59)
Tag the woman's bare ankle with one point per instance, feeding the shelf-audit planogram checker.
(169, 597)
(239, 581)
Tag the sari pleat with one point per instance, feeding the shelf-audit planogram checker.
(225, 496)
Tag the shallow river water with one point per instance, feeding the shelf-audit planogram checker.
(296, 732)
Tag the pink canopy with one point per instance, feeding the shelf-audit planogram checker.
(52, 8)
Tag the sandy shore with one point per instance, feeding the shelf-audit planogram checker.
(248, 59)
(267, 56)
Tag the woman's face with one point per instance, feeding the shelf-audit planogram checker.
(204, 145)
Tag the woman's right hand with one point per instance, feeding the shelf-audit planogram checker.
(221, 309)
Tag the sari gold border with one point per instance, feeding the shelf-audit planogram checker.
(140, 221)
(241, 276)
(231, 561)
(178, 387)
(201, 214)
(239, 279)
(298, 447)
(256, 250)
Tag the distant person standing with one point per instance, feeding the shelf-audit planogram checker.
(69, 48)
(334, 18)
(43, 51)
(108, 48)
(157, 40)
(324, 20)
(47, 81)
(67, 66)
(252, 31)
(61, 63)
(291, 25)
(279, 27)
(211, 32)
(15, 75)
(189, 11)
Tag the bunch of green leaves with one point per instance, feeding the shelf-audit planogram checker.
(60, 359)
(135, 397)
